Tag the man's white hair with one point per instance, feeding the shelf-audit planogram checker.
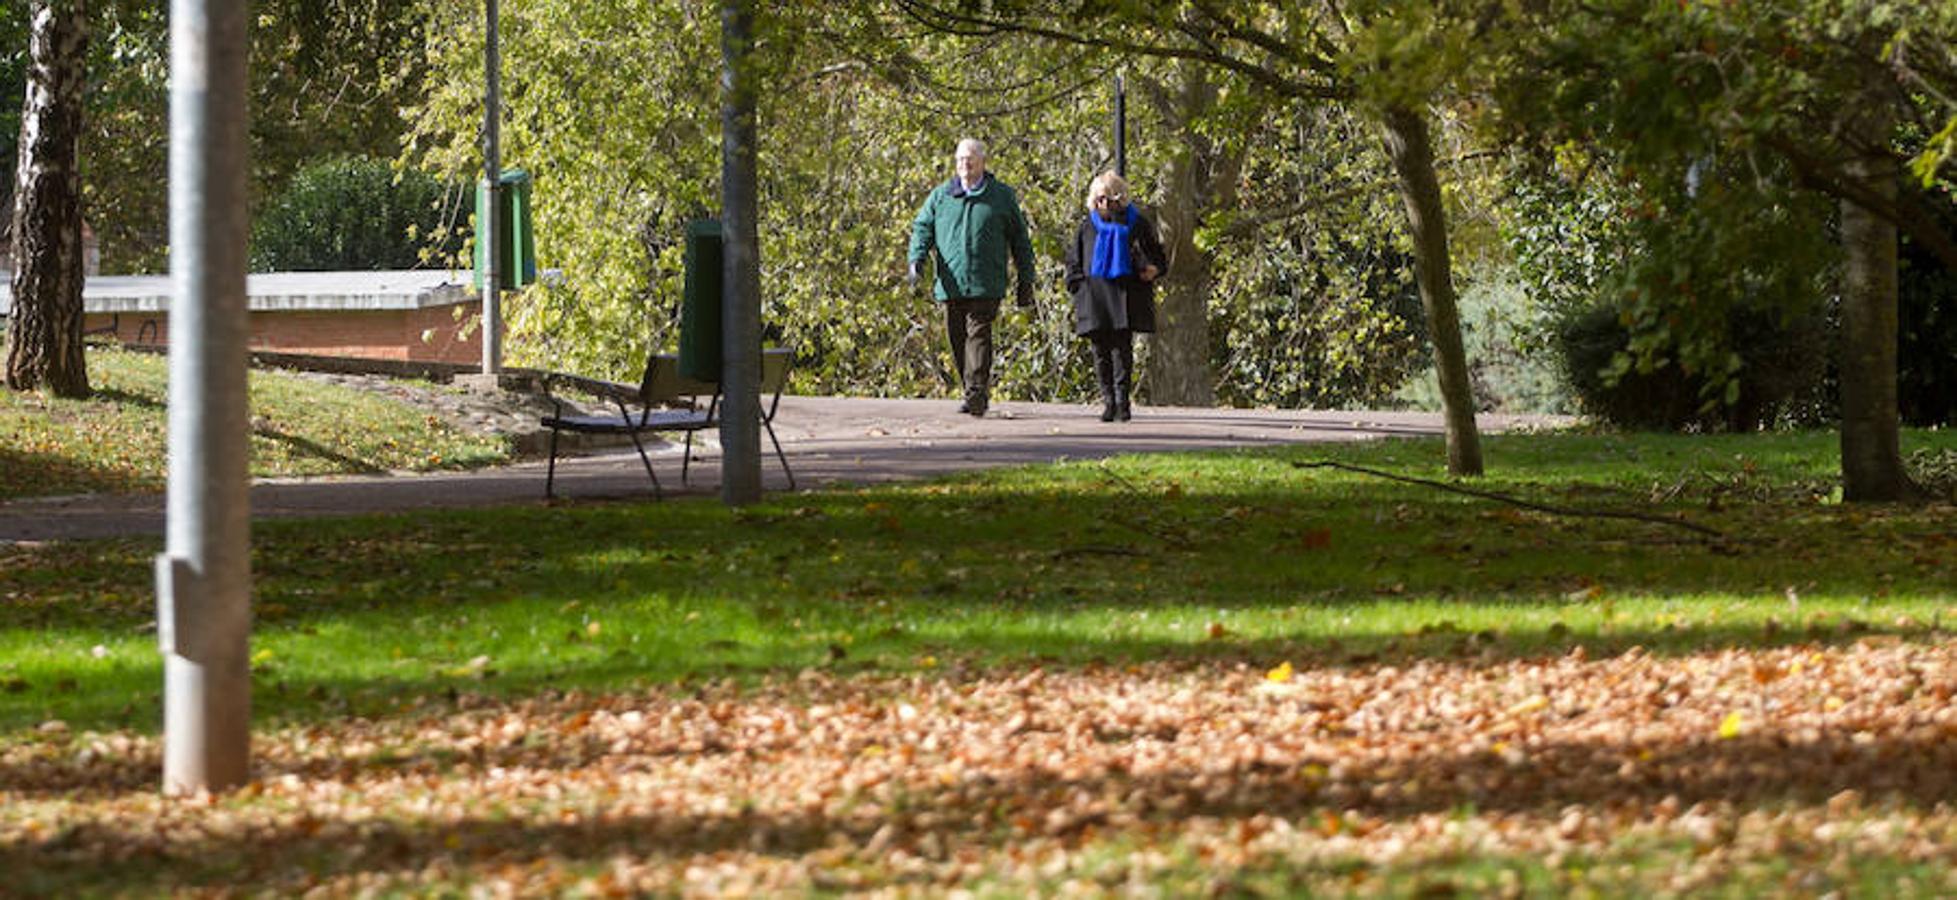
(973, 144)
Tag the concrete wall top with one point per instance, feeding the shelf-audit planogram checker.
(283, 291)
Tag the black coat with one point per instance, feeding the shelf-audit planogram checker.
(1127, 302)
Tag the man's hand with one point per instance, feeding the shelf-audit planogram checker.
(1149, 271)
(1024, 296)
(910, 274)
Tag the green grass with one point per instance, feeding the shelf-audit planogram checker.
(116, 440)
(1217, 556)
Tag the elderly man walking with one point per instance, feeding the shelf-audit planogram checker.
(972, 221)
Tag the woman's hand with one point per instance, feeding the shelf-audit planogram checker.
(1149, 271)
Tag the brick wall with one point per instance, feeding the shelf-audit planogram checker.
(430, 334)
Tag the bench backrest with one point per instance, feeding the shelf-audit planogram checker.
(663, 382)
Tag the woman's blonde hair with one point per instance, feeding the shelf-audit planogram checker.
(1106, 184)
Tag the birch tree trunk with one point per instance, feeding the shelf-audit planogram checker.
(1411, 148)
(44, 336)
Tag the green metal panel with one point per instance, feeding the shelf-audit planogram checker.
(515, 238)
(700, 356)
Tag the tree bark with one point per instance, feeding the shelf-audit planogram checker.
(1871, 456)
(1201, 178)
(44, 337)
(1409, 145)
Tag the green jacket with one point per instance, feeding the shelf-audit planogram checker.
(972, 233)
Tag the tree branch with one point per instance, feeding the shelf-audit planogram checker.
(969, 24)
(1819, 175)
(1517, 501)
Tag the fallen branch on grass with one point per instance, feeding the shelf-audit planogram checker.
(1517, 501)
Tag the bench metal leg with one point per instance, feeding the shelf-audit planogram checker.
(550, 474)
(778, 454)
(686, 462)
(657, 491)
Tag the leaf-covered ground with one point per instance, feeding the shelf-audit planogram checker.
(1803, 769)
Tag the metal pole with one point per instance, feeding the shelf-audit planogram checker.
(493, 280)
(204, 575)
(1121, 126)
(740, 426)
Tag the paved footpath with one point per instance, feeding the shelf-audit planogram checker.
(829, 441)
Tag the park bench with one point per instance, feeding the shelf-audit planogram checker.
(665, 400)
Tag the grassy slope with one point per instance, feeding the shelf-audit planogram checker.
(117, 439)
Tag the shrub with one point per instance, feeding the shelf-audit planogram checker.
(1780, 361)
(353, 212)
(1510, 370)
(1926, 377)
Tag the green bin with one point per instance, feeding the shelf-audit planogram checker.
(515, 240)
(700, 304)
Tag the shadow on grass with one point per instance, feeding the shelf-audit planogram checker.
(306, 447)
(1749, 772)
(47, 474)
(129, 399)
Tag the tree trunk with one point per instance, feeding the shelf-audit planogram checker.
(1201, 177)
(44, 338)
(1871, 458)
(1408, 144)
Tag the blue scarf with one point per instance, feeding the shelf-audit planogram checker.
(1111, 256)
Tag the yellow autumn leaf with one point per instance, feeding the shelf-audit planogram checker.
(1281, 674)
(593, 629)
(1530, 705)
(1729, 727)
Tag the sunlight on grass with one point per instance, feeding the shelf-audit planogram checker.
(116, 440)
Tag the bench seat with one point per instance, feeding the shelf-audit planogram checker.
(666, 401)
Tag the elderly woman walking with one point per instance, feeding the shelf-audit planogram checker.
(1112, 265)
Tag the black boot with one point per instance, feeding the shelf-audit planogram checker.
(1104, 373)
(1121, 371)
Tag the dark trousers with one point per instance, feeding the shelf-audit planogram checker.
(1114, 363)
(968, 324)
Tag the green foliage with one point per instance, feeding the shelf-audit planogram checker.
(1714, 285)
(115, 441)
(1511, 367)
(329, 77)
(1777, 364)
(1315, 303)
(1312, 307)
(353, 212)
(13, 92)
(1700, 145)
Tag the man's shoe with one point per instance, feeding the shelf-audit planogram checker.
(975, 410)
(1122, 412)
(1107, 411)
(964, 407)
